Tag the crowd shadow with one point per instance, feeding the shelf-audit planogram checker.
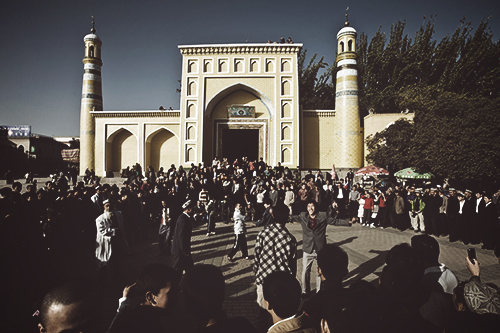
(227, 240)
(366, 268)
(346, 241)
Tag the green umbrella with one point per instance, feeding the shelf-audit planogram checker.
(410, 173)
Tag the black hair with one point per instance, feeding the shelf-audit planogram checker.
(204, 291)
(268, 201)
(282, 291)
(6, 191)
(153, 278)
(281, 213)
(354, 310)
(426, 247)
(69, 292)
(459, 293)
(314, 203)
(403, 272)
(333, 262)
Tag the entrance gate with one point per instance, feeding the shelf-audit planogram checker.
(238, 143)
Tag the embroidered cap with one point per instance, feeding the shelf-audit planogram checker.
(187, 204)
(481, 298)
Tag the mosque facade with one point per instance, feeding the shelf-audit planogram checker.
(237, 100)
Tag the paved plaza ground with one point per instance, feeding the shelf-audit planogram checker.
(366, 247)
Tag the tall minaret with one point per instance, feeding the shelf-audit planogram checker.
(348, 132)
(91, 98)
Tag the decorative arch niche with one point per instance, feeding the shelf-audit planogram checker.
(286, 133)
(286, 156)
(121, 150)
(162, 149)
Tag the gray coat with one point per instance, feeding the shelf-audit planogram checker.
(313, 239)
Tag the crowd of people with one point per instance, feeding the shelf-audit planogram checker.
(415, 293)
(44, 229)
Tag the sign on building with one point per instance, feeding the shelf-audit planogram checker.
(16, 131)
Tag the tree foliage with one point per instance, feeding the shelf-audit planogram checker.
(316, 84)
(458, 137)
(453, 88)
(467, 62)
(453, 136)
(391, 148)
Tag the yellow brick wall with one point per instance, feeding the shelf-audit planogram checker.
(116, 148)
(319, 141)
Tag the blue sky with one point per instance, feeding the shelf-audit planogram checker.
(42, 46)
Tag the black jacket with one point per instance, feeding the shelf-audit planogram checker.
(182, 235)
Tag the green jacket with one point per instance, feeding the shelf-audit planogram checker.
(418, 205)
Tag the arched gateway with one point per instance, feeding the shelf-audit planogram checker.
(240, 130)
(239, 107)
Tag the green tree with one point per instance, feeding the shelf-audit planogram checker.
(392, 147)
(316, 91)
(458, 137)
(466, 62)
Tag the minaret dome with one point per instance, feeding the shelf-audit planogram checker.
(346, 38)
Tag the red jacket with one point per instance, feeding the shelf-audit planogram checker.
(368, 203)
(381, 202)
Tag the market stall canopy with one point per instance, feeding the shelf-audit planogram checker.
(371, 170)
(410, 173)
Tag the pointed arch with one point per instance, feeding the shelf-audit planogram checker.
(238, 66)
(114, 132)
(286, 133)
(286, 66)
(191, 132)
(162, 148)
(286, 109)
(190, 154)
(192, 66)
(254, 66)
(236, 87)
(286, 156)
(121, 150)
(207, 66)
(191, 110)
(191, 88)
(269, 66)
(286, 87)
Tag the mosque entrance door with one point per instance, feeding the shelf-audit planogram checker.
(238, 143)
